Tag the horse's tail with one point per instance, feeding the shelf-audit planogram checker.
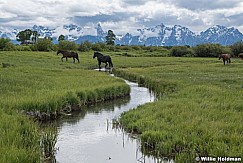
(77, 57)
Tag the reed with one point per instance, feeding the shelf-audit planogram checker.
(47, 144)
(19, 139)
(198, 115)
(39, 85)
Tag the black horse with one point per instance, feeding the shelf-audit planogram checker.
(103, 58)
(226, 57)
(67, 54)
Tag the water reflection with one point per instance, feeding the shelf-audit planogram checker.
(107, 106)
(88, 136)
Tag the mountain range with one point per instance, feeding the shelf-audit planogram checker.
(159, 35)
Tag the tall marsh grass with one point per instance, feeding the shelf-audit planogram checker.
(19, 139)
(47, 144)
(35, 84)
(200, 116)
(41, 85)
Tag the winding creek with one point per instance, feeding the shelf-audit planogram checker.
(88, 136)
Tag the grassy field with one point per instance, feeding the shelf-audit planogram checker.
(40, 83)
(19, 139)
(199, 113)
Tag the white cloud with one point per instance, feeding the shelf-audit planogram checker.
(121, 16)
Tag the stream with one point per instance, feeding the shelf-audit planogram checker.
(89, 137)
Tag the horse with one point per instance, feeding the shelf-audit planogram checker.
(240, 56)
(225, 57)
(104, 59)
(67, 54)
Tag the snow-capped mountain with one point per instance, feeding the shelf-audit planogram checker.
(71, 32)
(159, 35)
(221, 34)
(167, 36)
(9, 33)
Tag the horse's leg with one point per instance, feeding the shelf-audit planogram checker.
(99, 65)
(73, 60)
(62, 58)
(78, 60)
(110, 64)
(105, 65)
(66, 59)
(224, 61)
(229, 60)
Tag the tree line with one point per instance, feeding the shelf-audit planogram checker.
(30, 42)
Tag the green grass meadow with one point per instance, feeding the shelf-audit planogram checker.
(40, 82)
(198, 113)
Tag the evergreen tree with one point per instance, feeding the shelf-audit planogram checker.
(110, 38)
(61, 38)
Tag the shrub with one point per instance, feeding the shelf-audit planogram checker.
(110, 47)
(237, 48)
(23, 48)
(67, 45)
(179, 51)
(9, 47)
(209, 50)
(85, 46)
(135, 47)
(43, 45)
(4, 43)
(97, 47)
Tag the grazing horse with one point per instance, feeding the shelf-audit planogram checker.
(225, 57)
(67, 54)
(103, 58)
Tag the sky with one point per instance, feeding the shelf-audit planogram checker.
(121, 16)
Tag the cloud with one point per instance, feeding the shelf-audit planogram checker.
(205, 4)
(121, 15)
(134, 2)
(114, 17)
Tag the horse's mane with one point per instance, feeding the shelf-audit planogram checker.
(98, 53)
(62, 50)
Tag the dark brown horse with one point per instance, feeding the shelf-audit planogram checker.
(67, 54)
(225, 57)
